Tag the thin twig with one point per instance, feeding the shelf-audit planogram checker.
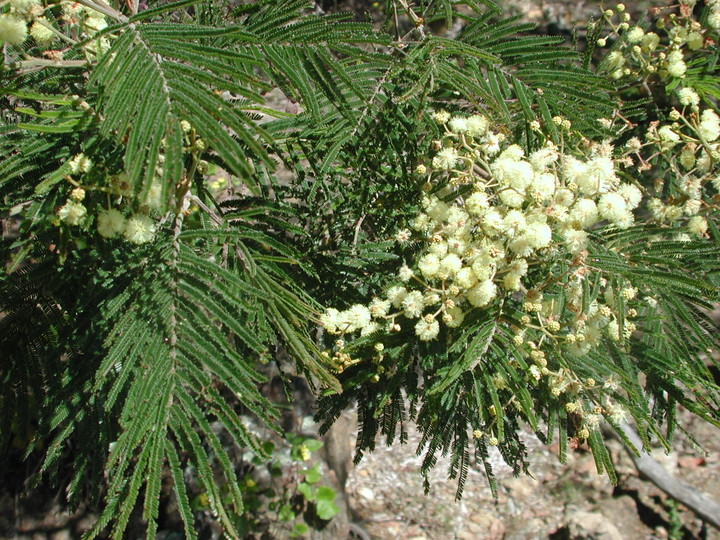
(357, 232)
(41, 62)
(217, 219)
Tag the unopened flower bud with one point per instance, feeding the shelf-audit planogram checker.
(77, 194)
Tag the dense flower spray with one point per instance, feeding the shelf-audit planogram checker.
(503, 230)
(500, 212)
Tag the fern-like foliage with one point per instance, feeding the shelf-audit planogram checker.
(163, 72)
(471, 378)
(166, 337)
(182, 336)
(494, 66)
(31, 350)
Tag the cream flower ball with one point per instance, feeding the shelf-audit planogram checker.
(427, 331)
(13, 30)
(72, 213)
(139, 229)
(110, 223)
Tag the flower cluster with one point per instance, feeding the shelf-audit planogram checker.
(120, 212)
(690, 146)
(685, 142)
(642, 54)
(138, 228)
(31, 18)
(507, 230)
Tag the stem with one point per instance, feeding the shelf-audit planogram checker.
(39, 62)
(357, 232)
(217, 219)
(705, 144)
(105, 9)
(55, 31)
(88, 187)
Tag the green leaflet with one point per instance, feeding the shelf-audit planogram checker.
(471, 357)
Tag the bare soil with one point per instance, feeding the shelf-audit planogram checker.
(559, 501)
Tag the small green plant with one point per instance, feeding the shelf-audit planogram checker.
(289, 498)
(675, 524)
(295, 497)
(308, 500)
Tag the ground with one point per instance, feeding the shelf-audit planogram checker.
(560, 501)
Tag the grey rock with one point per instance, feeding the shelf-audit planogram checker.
(583, 525)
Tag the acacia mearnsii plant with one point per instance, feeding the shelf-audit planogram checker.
(446, 219)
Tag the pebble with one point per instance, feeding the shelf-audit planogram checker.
(584, 525)
(366, 493)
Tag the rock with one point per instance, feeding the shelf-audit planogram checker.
(366, 493)
(623, 510)
(394, 528)
(497, 530)
(474, 529)
(482, 519)
(525, 529)
(63, 534)
(690, 462)
(520, 488)
(583, 525)
(84, 524)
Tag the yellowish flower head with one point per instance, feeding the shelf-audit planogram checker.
(42, 35)
(139, 229)
(110, 223)
(13, 30)
(72, 213)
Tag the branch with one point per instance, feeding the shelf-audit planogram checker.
(706, 508)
